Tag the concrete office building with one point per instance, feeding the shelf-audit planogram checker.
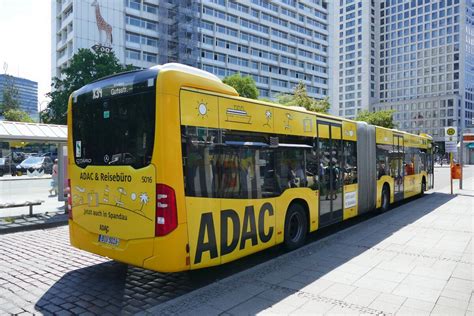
(415, 57)
(354, 63)
(278, 43)
(27, 93)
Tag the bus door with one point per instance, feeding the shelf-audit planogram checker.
(399, 156)
(330, 172)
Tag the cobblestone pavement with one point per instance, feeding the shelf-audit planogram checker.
(41, 273)
(37, 221)
(414, 260)
(409, 260)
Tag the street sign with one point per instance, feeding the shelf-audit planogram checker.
(450, 147)
(450, 134)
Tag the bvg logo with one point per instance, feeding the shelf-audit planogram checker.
(249, 231)
(104, 228)
(96, 93)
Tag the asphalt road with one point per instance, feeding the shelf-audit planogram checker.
(41, 273)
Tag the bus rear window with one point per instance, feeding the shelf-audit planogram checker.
(115, 130)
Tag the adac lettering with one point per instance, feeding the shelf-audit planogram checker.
(86, 176)
(241, 236)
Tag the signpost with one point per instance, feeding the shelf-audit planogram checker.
(450, 137)
(450, 147)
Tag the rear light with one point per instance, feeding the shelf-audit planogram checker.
(69, 199)
(166, 212)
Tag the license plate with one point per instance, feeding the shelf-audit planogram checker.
(109, 240)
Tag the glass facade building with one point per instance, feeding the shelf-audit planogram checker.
(278, 43)
(420, 52)
(27, 93)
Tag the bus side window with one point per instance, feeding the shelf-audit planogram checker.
(200, 162)
(386, 161)
(267, 173)
(409, 164)
(312, 177)
(350, 162)
(290, 170)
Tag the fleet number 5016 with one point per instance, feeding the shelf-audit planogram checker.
(146, 179)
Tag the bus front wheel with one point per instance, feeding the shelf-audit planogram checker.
(296, 226)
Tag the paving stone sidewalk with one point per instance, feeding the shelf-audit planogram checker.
(414, 260)
(37, 221)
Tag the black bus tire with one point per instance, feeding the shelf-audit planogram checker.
(385, 205)
(423, 187)
(296, 226)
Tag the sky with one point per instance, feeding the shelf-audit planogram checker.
(25, 41)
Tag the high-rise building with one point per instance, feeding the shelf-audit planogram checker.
(27, 93)
(355, 62)
(418, 61)
(425, 62)
(278, 43)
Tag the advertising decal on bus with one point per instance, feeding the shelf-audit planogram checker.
(253, 229)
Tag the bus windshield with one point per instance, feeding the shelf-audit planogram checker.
(114, 128)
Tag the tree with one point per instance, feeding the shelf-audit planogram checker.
(301, 98)
(380, 118)
(245, 86)
(322, 105)
(85, 67)
(10, 96)
(17, 115)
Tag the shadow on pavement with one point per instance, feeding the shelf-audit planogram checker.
(116, 288)
(37, 221)
(271, 281)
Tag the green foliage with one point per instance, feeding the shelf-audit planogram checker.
(380, 118)
(85, 67)
(245, 86)
(300, 98)
(16, 115)
(10, 96)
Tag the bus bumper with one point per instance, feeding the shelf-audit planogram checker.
(170, 254)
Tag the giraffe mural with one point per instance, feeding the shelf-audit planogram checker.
(102, 25)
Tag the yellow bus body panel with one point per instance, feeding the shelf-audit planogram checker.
(170, 253)
(350, 201)
(253, 219)
(349, 131)
(130, 251)
(104, 204)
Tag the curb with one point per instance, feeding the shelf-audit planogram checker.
(275, 262)
(24, 228)
(172, 306)
(23, 179)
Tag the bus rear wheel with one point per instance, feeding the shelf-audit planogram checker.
(296, 226)
(423, 187)
(385, 199)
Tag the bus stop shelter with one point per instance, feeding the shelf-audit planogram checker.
(19, 132)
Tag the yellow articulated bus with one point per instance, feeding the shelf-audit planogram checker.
(171, 170)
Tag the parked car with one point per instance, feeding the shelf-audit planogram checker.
(52, 155)
(18, 156)
(39, 164)
(7, 166)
